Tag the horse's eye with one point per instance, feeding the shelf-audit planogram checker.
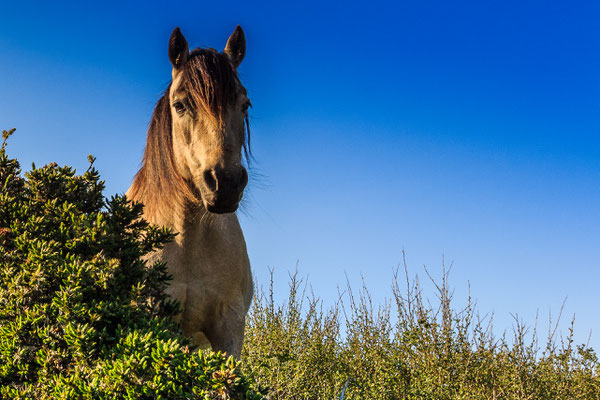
(246, 106)
(179, 107)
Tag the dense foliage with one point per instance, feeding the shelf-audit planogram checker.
(409, 349)
(82, 316)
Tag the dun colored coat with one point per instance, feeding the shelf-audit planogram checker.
(192, 180)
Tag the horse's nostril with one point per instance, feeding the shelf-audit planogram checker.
(210, 179)
(244, 178)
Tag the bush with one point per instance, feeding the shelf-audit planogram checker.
(82, 316)
(409, 349)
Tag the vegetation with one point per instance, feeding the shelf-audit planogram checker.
(82, 316)
(428, 352)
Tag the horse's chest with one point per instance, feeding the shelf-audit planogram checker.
(208, 264)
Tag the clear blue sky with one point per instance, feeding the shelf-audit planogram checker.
(469, 130)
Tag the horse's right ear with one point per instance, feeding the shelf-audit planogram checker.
(178, 49)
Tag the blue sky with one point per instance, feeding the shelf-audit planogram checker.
(463, 130)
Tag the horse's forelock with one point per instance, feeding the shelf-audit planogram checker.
(210, 81)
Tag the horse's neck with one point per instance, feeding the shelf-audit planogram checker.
(183, 222)
(180, 218)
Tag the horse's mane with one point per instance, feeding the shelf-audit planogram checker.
(212, 84)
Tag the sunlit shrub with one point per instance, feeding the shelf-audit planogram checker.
(408, 349)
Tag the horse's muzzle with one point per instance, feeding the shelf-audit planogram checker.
(223, 188)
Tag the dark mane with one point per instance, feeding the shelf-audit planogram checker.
(211, 81)
(212, 84)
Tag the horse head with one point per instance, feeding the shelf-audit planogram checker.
(209, 117)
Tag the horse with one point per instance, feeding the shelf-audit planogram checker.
(191, 180)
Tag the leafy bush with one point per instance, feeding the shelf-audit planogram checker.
(408, 349)
(82, 316)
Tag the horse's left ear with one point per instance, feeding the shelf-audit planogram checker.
(236, 46)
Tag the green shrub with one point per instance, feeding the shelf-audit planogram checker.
(82, 316)
(409, 349)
